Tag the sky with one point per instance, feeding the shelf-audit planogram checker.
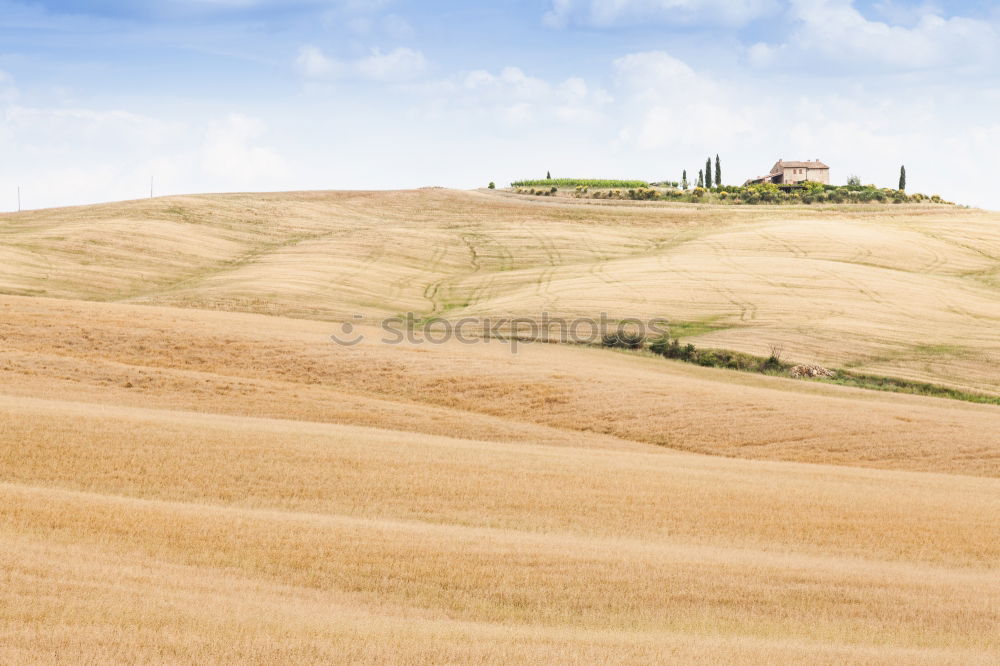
(98, 98)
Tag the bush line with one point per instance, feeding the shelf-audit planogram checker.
(672, 348)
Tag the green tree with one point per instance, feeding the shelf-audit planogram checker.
(854, 181)
(684, 180)
(902, 178)
(718, 171)
(701, 178)
(548, 175)
(493, 185)
(708, 173)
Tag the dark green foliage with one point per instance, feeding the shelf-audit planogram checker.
(548, 175)
(660, 345)
(718, 172)
(766, 193)
(773, 365)
(623, 340)
(714, 358)
(493, 185)
(671, 348)
(684, 180)
(708, 173)
(902, 179)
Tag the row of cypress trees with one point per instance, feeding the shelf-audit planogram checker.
(705, 177)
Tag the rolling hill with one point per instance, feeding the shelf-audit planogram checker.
(906, 291)
(192, 472)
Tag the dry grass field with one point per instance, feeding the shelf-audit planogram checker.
(192, 472)
(907, 291)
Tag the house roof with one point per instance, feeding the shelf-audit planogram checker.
(781, 164)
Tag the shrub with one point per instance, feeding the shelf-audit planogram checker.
(773, 361)
(668, 348)
(708, 359)
(661, 346)
(623, 340)
(492, 185)
(643, 193)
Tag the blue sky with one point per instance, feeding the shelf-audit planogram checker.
(237, 95)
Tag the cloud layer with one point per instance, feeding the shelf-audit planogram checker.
(399, 64)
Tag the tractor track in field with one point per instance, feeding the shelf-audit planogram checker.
(860, 287)
(796, 250)
(726, 259)
(747, 309)
(599, 270)
(554, 261)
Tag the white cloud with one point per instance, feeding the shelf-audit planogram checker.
(312, 64)
(834, 31)
(608, 13)
(399, 65)
(516, 98)
(666, 104)
(654, 73)
(230, 154)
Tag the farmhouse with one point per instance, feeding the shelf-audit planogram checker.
(788, 173)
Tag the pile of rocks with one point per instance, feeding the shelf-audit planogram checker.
(802, 371)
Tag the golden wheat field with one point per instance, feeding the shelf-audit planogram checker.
(191, 472)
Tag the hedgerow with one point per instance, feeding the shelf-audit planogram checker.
(581, 182)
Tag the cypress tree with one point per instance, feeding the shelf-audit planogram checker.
(718, 172)
(701, 178)
(684, 179)
(548, 175)
(708, 173)
(902, 178)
